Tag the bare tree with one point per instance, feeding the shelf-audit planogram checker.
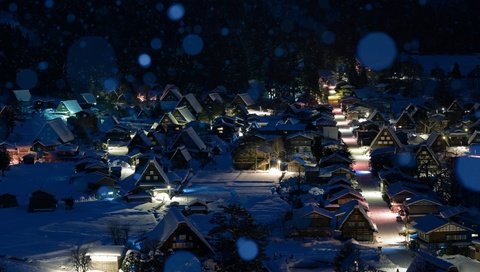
(80, 260)
(119, 233)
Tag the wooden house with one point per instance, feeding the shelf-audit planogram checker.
(340, 180)
(458, 137)
(437, 142)
(168, 122)
(42, 201)
(152, 176)
(68, 107)
(53, 133)
(92, 181)
(183, 115)
(333, 170)
(225, 130)
(426, 262)
(405, 122)
(211, 101)
(8, 201)
(434, 231)
(88, 100)
(242, 99)
(335, 158)
(397, 193)
(474, 250)
(106, 258)
(353, 222)
(190, 139)
(421, 205)
(344, 196)
(170, 97)
(191, 103)
(386, 137)
(22, 99)
(140, 141)
(175, 232)
(196, 207)
(378, 118)
(296, 165)
(428, 164)
(298, 143)
(455, 107)
(312, 221)
(181, 158)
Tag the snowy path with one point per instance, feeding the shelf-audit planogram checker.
(388, 228)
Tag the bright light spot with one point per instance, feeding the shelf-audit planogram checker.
(144, 60)
(377, 50)
(43, 65)
(110, 84)
(182, 261)
(372, 194)
(192, 44)
(328, 37)
(27, 78)
(175, 12)
(156, 43)
(161, 196)
(363, 172)
(247, 249)
(467, 170)
(49, 3)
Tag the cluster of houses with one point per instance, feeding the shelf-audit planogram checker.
(406, 151)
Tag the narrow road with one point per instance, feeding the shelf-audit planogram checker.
(388, 228)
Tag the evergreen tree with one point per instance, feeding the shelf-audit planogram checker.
(233, 224)
(131, 262)
(5, 159)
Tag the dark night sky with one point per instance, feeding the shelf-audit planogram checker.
(274, 41)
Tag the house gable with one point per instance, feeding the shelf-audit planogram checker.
(386, 137)
(153, 175)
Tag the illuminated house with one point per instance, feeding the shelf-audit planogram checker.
(427, 162)
(312, 221)
(106, 258)
(434, 232)
(152, 176)
(405, 122)
(421, 205)
(52, 134)
(386, 137)
(378, 118)
(68, 107)
(437, 142)
(177, 232)
(353, 222)
(170, 97)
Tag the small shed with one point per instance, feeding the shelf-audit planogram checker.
(29, 158)
(106, 258)
(42, 201)
(8, 201)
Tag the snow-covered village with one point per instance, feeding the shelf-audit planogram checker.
(249, 135)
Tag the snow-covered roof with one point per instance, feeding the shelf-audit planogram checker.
(192, 100)
(309, 209)
(473, 137)
(399, 187)
(339, 179)
(109, 250)
(335, 155)
(186, 114)
(418, 198)
(22, 95)
(301, 135)
(392, 134)
(53, 131)
(348, 208)
(246, 98)
(346, 192)
(193, 136)
(452, 211)
(430, 151)
(423, 261)
(327, 170)
(171, 222)
(173, 89)
(89, 98)
(159, 170)
(429, 223)
(71, 105)
(182, 151)
(216, 97)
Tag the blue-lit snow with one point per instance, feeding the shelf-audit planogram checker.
(247, 249)
(27, 78)
(377, 50)
(182, 261)
(192, 44)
